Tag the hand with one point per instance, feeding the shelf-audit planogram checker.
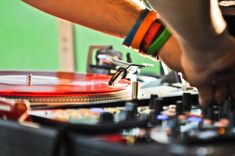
(212, 72)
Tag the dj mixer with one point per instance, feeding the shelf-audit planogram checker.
(166, 126)
(173, 124)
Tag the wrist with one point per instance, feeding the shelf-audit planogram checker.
(148, 35)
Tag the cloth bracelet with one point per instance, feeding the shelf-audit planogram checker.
(143, 28)
(158, 43)
(130, 36)
(149, 37)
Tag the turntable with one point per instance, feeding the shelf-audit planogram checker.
(61, 87)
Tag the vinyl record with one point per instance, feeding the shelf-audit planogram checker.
(61, 87)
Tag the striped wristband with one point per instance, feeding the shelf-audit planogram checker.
(148, 35)
(158, 42)
(132, 33)
(143, 28)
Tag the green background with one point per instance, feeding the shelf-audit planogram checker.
(29, 40)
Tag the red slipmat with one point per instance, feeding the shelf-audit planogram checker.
(61, 87)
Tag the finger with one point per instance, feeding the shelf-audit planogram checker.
(227, 83)
(232, 86)
(220, 92)
(221, 87)
(205, 95)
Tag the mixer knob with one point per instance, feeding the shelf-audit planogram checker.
(227, 107)
(173, 124)
(217, 113)
(106, 117)
(153, 97)
(231, 118)
(129, 113)
(131, 108)
(179, 107)
(157, 106)
(208, 112)
(187, 102)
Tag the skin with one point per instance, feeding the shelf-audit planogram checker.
(208, 51)
(195, 54)
(118, 22)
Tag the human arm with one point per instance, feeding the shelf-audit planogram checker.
(112, 17)
(208, 55)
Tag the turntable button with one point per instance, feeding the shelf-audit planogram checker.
(187, 102)
(106, 117)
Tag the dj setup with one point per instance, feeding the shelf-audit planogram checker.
(112, 110)
(65, 113)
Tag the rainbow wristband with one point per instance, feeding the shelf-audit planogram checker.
(159, 42)
(133, 31)
(149, 37)
(143, 29)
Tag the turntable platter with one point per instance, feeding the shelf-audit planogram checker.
(57, 87)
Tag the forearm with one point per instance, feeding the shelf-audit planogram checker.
(112, 17)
